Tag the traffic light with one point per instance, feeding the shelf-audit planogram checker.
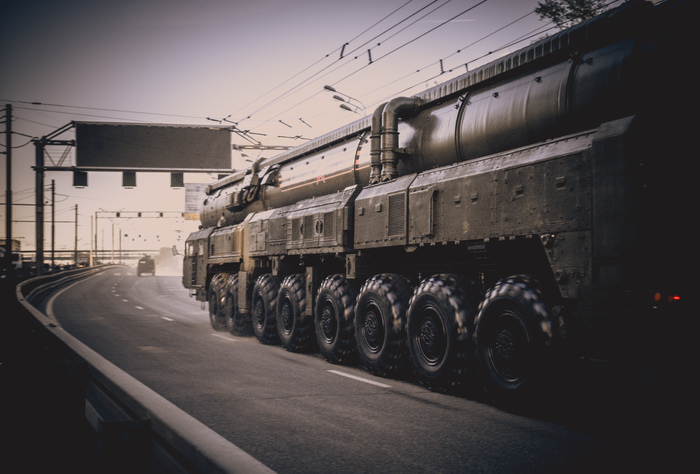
(129, 179)
(80, 179)
(177, 180)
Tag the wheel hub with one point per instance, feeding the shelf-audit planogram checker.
(504, 347)
(371, 328)
(431, 339)
(328, 323)
(287, 319)
(509, 348)
(427, 335)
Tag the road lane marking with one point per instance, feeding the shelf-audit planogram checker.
(224, 337)
(167, 319)
(153, 349)
(139, 307)
(354, 377)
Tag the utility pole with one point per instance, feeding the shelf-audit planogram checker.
(96, 248)
(75, 245)
(8, 191)
(91, 258)
(39, 188)
(53, 222)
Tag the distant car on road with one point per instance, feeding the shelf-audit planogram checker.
(146, 265)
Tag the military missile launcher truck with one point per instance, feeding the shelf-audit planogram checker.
(525, 213)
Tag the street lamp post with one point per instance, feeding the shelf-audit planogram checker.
(346, 105)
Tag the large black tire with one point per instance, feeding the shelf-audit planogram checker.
(236, 323)
(264, 305)
(439, 331)
(380, 323)
(216, 297)
(333, 320)
(513, 338)
(295, 329)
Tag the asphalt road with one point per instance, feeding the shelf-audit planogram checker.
(297, 413)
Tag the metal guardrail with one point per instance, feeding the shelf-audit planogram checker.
(135, 426)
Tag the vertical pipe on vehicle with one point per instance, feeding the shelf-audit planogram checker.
(400, 107)
(375, 145)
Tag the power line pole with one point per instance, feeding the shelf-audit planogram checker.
(39, 211)
(53, 222)
(75, 246)
(8, 190)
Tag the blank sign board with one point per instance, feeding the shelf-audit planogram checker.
(118, 146)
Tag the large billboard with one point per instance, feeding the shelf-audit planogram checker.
(141, 147)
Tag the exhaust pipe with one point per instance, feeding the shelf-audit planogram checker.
(400, 107)
(375, 146)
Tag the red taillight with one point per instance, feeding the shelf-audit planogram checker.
(670, 298)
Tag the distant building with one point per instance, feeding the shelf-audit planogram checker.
(16, 245)
(16, 256)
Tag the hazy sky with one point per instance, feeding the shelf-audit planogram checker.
(260, 63)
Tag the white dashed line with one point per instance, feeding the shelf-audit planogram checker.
(167, 319)
(360, 379)
(224, 337)
(139, 307)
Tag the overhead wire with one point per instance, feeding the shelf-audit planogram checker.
(300, 84)
(459, 51)
(526, 37)
(387, 54)
(289, 91)
(357, 48)
(101, 109)
(520, 39)
(364, 44)
(314, 64)
(414, 39)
